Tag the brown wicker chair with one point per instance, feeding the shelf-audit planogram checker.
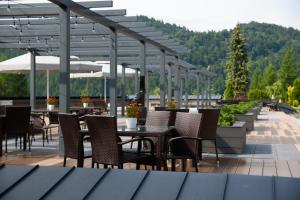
(107, 146)
(53, 122)
(16, 124)
(158, 118)
(172, 114)
(70, 128)
(209, 126)
(187, 142)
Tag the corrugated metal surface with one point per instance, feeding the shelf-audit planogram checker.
(34, 182)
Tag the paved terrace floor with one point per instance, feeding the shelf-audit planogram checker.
(273, 148)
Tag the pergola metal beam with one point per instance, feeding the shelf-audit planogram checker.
(51, 11)
(87, 4)
(32, 79)
(98, 18)
(113, 73)
(162, 78)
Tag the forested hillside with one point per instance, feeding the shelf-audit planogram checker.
(266, 44)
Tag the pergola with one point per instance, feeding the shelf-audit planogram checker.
(87, 30)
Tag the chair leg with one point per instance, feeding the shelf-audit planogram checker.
(93, 164)
(97, 165)
(65, 160)
(195, 164)
(138, 166)
(183, 165)
(105, 166)
(173, 165)
(216, 148)
(43, 138)
(120, 166)
(5, 143)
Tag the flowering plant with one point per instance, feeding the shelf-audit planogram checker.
(51, 100)
(171, 104)
(133, 110)
(85, 99)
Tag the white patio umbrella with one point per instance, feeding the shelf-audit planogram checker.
(22, 64)
(105, 73)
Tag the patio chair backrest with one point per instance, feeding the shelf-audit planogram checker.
(17, 120)
(209, 123)
(158, 118)
(53, 118)
(69, 126)
(187, 124)
(104, 139)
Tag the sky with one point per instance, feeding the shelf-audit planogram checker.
(207, 15)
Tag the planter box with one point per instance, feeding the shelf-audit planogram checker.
(255, 110)
(230, 139)
(249, 118)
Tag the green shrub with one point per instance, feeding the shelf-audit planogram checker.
(258, 94)
(295, 103)
(228, 112)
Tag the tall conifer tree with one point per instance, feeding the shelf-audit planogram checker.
(236, 68)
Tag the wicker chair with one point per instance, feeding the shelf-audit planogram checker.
(172, 114)
(16, 124)
(38, 126)
(53, 122)
(70, 128)
(209, 126)
(185, 144)
(107, 146)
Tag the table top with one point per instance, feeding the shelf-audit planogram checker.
(71, 109)
(151, 131)
(145, 131)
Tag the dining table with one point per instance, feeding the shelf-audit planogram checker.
(158, 132)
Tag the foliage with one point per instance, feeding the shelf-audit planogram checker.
(133, 110)
(236, 68)
(227, 118)
(228, 94)
(269, 75)
(171, 104)
(51, 100)
(228, 112)
(296, 91)
(258, 94)
(290, 94)
(85, 99)
(256, 80)
(266, 44)
(287, 72)
(295, 103)
(156, 91)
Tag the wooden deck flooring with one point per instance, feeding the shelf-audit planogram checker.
(272, 128)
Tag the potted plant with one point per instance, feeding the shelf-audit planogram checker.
(51, 101)
(85, 100)
(133, 111)
(171, 104)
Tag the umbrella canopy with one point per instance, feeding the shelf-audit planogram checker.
(21, 64)
(105, 72)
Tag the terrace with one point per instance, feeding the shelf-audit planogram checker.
(270, 151)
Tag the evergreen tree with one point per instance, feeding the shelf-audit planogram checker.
(256, 80)
(269, 75)
(236, 66)
(287, 72)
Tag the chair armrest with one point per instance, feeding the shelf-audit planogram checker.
(197, 139)
(139, 140)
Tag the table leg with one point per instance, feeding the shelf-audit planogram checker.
(24, 141)
(158, 152)
(80, 158)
